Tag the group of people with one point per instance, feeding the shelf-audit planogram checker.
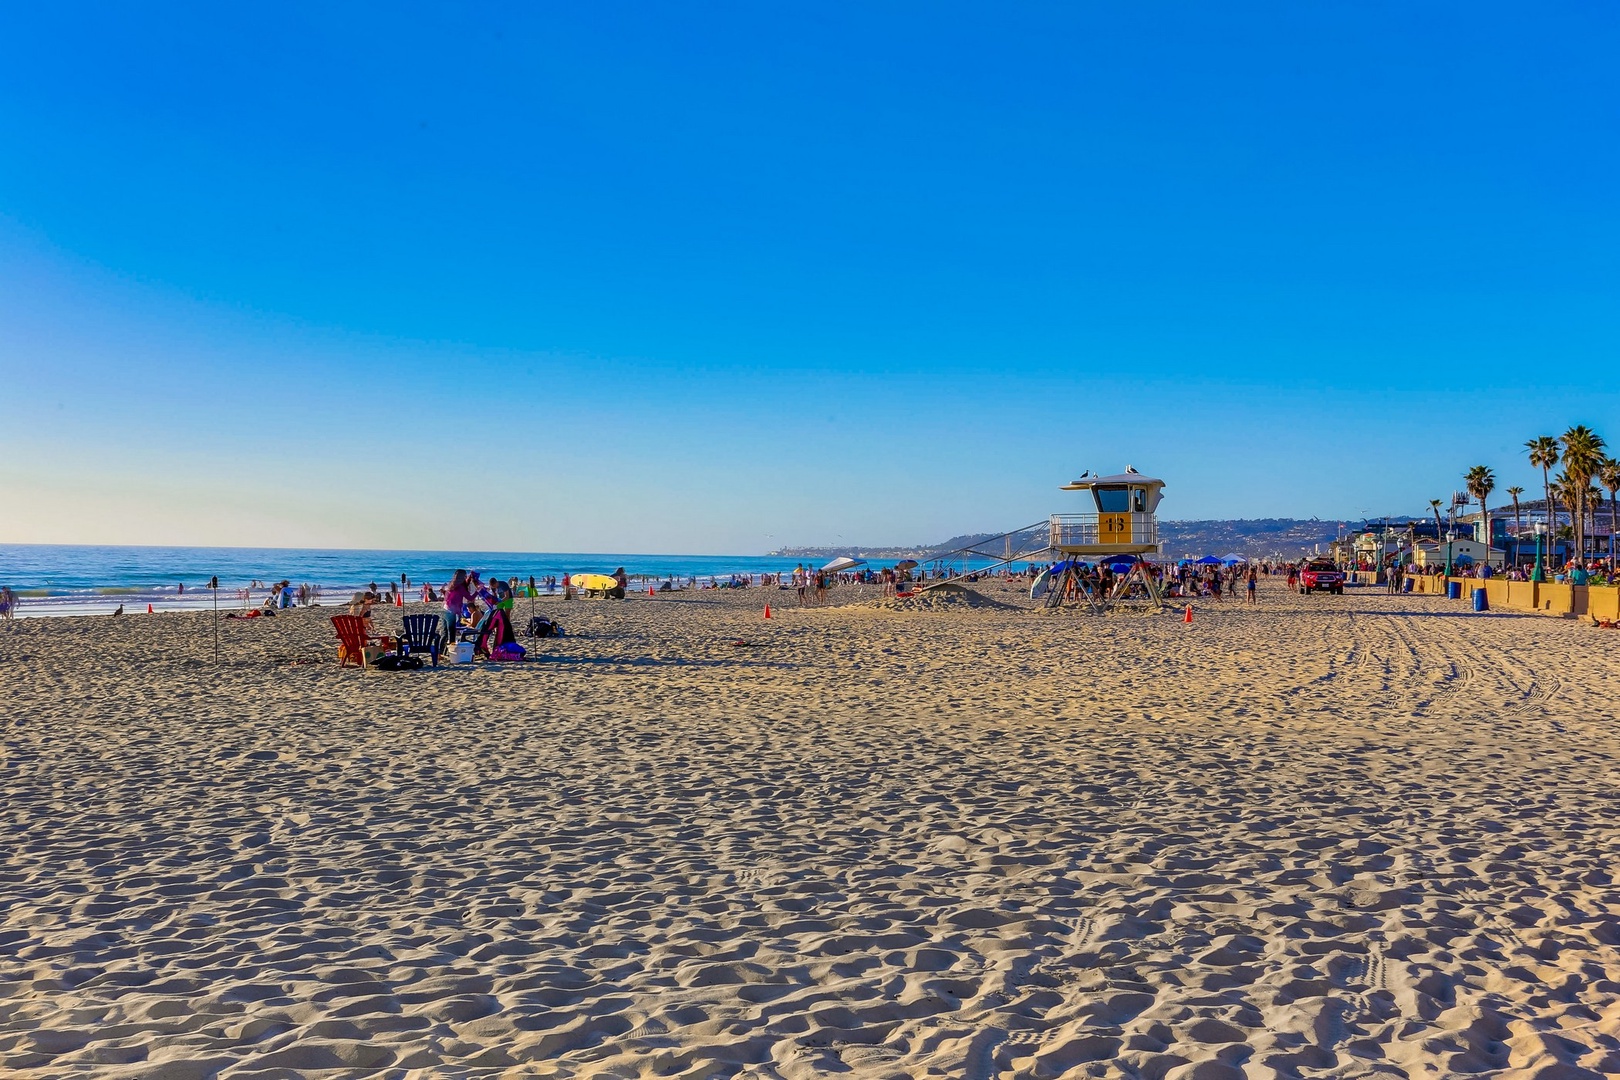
(1213, 582)
(484, 608)
(810, 586)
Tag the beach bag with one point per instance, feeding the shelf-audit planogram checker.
(540, 626)
(507, 654)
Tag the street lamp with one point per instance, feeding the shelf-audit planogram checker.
(1538, 574)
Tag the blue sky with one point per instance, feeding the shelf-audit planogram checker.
(664, 278)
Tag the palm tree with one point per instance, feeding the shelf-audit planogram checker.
(1514, 493)
(1544, 455)
(1609, 476)
(1583, 451)
(1439, 531)
(1563, 489)
(1480, 482)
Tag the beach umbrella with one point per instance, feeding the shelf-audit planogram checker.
(906, 564)
(842, 563)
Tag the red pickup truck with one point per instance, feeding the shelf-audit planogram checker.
(1321, 576)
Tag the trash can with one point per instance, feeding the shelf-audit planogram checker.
(1480, 603)
(1406, 585)
(1453, 590)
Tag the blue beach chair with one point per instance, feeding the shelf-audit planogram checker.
(423, 633)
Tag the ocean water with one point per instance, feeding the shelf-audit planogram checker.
(54, 579)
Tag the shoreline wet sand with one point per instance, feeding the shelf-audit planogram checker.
(1328, 836)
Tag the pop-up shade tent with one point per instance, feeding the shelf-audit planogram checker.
(842, 563)
(1232, 558)
(1208, 560)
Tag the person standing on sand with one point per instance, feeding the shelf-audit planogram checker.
(1253, 581)
(456, 595)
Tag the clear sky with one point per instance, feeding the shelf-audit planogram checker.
(717, 278)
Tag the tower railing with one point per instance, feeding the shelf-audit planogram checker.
(1104, 530)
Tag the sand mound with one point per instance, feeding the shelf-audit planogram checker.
(948, 597)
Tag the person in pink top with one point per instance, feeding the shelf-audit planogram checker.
(456, 595)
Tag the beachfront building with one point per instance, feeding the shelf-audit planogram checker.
(1517, 534)
(1379, 543)
(1377, 547)
(1430, 553)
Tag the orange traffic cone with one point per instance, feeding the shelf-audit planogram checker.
(767, 610)
(651, 591)
(149, 609)
(399, 599)
(1187, 617)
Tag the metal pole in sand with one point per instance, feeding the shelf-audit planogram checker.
(213, 585)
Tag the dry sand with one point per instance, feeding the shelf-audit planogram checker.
(1336, 836)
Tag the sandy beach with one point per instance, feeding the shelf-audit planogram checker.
(1329, 836)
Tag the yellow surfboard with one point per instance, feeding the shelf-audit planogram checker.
(594, 582)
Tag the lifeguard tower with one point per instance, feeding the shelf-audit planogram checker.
(1123, 522)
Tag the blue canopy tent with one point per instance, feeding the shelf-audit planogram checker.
(1208, 560)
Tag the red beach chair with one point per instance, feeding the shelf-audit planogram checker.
(352, 640)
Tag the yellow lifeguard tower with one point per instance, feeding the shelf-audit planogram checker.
(1123, 521)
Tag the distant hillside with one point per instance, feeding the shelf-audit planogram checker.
(1288, 537)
